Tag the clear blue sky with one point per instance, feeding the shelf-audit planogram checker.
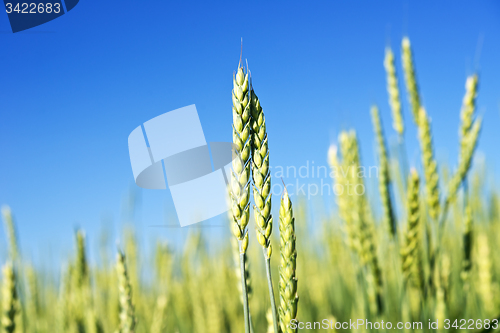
(73, 89)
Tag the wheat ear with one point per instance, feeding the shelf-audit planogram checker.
(9, 298)
(411, 252)
(393, 91)
(429, 164)
(11, 232)
(484, 264)
(468, 110)
(288, 280)
(384, 179)
(360, 216)
(348, 175)
(410, 78)
(261, 176)
(342, 198)
(127, 312)
(240, 176)
(465, 161)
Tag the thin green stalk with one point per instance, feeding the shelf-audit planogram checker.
(404, 161)
(244, 290)
(384, 176)
(271, 293)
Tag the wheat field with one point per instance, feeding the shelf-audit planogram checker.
(428, 256)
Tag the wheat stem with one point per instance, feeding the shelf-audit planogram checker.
(271, 294)
(384, 178)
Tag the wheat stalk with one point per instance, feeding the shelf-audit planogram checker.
(10, 299)
(240, 176)
(288, 265)
(467, 246)
(127, 312)
(384, 179)
(360, 216)
(261, 176)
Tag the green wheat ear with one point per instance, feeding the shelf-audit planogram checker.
(261, 176)
(410, 78)
(288, 265)
(262, 190)
(393, 90)
(411, 252)
(9, 298)
(240, 187)
(11, 233)
(240, 175)
(429, 164)
(127, 312)
(342, 198)
(81, 269)
(384, 180)
(468, 110)
(465, 161)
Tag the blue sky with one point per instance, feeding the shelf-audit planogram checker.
(73, 89)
